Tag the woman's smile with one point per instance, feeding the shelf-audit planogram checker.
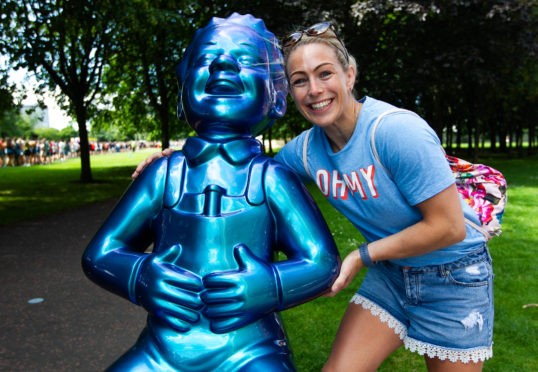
(321, 106)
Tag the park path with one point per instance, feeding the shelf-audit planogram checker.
(78, 326)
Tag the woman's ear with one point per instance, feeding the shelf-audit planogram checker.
(351, 76)
(279, 106)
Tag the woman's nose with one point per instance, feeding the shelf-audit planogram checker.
(314, 87)
(224, 62)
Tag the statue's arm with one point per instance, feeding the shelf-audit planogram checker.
(114, 255)
(313, 261)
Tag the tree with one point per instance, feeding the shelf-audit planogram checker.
(66, 44)
(468, 65)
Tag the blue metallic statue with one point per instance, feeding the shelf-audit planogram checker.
(217, 212)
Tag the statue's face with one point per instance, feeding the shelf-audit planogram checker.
(227, 88)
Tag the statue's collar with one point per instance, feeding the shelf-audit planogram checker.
(198, 150)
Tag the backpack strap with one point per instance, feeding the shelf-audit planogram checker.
(305, 149)
(374, 127)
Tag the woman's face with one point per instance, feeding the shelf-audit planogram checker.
(320, 87)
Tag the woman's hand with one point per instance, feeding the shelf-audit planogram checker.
(350, 267)
(149, 160)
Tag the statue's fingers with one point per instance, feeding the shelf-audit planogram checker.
(223, 310)
(173, 310)
(213, 296)
(181, 297)
(225, 279)
(226, 324)
(185, 280)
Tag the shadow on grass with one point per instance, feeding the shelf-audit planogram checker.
(30, 193)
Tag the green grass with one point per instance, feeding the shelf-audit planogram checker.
(28, 192)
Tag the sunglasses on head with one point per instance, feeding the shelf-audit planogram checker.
(315, 30)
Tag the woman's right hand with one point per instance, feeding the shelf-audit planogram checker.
(149, 160)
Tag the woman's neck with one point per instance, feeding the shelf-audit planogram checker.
(341, 131)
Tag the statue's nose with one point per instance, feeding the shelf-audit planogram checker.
(224, 62)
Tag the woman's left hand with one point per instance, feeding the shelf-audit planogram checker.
(350, 267)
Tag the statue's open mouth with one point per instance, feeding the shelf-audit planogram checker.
(224, 86)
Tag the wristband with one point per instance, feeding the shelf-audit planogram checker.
(365, 255)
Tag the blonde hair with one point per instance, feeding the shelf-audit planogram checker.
(330, 39)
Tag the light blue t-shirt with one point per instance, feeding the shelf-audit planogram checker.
(380, 199)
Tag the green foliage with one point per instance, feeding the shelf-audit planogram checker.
(52, 134)
(468, 65)
(67, 133)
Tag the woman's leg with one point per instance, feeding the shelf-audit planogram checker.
(362, 343)
(438, 365)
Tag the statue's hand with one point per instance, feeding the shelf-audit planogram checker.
(238, 297)
(169, 291)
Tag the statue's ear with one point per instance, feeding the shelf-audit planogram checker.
(279, 106)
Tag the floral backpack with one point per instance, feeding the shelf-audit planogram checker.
(484, 189)
(481, 186)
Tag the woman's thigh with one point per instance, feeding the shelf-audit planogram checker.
(362, 343)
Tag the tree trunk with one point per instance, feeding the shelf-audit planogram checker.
(531, 136)
(458, 137)
(476, 137)
(165, 129)
(502, 140)
(493, 137)
(85, 169)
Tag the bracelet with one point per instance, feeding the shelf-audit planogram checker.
(365, 255)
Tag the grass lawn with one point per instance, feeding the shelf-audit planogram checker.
(27, 192)
(32, 191)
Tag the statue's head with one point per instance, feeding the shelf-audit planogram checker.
(231, 79)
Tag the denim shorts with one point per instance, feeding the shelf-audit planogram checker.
(443, 311)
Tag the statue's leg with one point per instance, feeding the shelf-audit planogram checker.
(270, 362)
(133, 360)
(143, 356)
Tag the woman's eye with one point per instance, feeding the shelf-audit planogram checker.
(325, 74)
(298, 82)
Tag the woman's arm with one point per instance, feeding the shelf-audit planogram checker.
(443, 224)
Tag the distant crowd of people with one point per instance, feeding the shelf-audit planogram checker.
(27, 152)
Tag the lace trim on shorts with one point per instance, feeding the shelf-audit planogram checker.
(475, 355)
(465, 356)
(382, 314)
